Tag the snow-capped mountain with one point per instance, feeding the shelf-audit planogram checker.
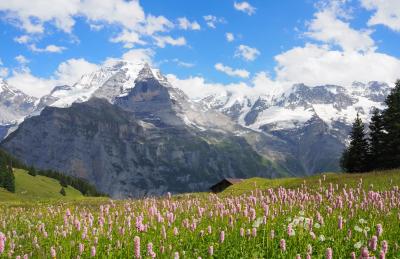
(294, 107)
(14, 107)
(301, 128)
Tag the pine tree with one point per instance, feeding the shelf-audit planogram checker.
(354, 158)
(9, 180)
(391, 121)
(63, 182)
(32, 171)
(376, 141)
(62, 191)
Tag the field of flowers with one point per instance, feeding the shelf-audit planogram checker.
(322, 219)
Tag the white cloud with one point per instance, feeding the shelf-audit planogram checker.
(67, 72)
(3, 70)
(229, 36)
(316, 65)
(33, 15)
(212, 21)
(232, 72)
(23, 39)
(185, 24)
(49, 48)
(129, 38)
(182, 63)
(327, 27)
(247, 53)
(162, 41)
(22, 59)
(245, 7)
(387, 12)
(139, 55)
(155, 24)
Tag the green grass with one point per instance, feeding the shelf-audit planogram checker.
(379, 180)
(35, 188)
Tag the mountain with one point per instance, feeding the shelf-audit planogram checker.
(150, 141)
(313, 121)
(14, 107)
(125, 128)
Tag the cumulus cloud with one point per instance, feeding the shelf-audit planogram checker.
(229, 36)
(386, 12)
(316, 65)
(67, 72)
(185, 24)
(212, 21)
(328, 27)
(33, 15)
(49, 48)
(129, 38)
(244, 7)
(23, 39)
(22, 60)
(162, 41)
(3, 70)
(247, 53)
(139, 55)
(232, 72)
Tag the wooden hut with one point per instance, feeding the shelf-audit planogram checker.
(223, 184)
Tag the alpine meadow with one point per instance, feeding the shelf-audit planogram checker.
(200, 129)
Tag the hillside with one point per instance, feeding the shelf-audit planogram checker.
(33, 188)
(379, 181)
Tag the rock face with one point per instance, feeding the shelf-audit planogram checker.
(144, 144)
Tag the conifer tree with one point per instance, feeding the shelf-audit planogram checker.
(9, 180)
(391, 121)
(354, 159)
(376, 141)
(62, 191)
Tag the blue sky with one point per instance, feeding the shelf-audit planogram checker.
(339, 41)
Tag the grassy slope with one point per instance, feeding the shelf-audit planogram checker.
(29, 188)
(379, 179)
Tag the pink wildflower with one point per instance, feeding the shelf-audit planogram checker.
(136, 241)
(283, 245)
(329, 253)
(222, 236)
(53, 252)
(93, 251)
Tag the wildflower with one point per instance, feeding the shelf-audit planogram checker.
(353, 255)
(254, 232)
(222, 236)
(210, 250)
(93, 251)
(308, 256)
(242, 232)
(283, 245)
(298, 256)
(53, 252)
(382, 255)
(176, 255)
(358, 245)
(321, 238)
(385, 246)
(81, 248)
(358, 229)
(272, 234)
(373, 243)
(137, 246)
(364, 252)
(309, 249)
(329, 253)
(340, 222)
(2, 243)
(379, 230)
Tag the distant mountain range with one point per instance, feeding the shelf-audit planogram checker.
(129, 131)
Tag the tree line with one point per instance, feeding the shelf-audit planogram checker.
(380, 148)
(7, 179)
